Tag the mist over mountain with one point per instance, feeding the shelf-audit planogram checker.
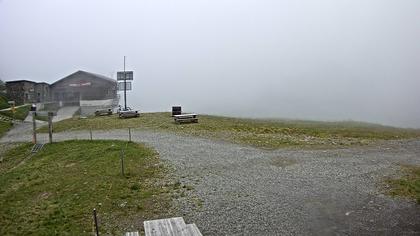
(322, 60)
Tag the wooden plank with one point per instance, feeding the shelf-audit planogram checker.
(103, 112)
(163, 227)
(170, 227)
(186, 119)
(191, 230)
(185, 122)
(136, 233)
(177, 225)
(185, 115)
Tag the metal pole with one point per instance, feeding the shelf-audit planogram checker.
(34, 128)
(96, 222)
(129, 134)
(125, 89)
(90, 131)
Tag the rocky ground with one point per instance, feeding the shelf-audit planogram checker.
(237, 190)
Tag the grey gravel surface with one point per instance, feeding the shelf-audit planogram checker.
(239, 190)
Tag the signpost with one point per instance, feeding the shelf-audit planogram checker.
(122, 85)
(125, 75)
(128, 75)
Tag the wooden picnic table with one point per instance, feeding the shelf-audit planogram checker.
(172, 226)
(186, 118)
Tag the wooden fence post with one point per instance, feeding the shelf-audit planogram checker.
(50, 127)
(122, 162)
(34, 127)
(96, 222)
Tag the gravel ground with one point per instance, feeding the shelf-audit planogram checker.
(240, 190)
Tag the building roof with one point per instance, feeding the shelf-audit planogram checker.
(24, 80)
(20, 81)
(98, 76)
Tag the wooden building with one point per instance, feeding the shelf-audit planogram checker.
(87, 90)
(83, 86)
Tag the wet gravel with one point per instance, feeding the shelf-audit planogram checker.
(237, 190)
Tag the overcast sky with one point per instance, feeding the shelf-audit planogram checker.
(305, 59)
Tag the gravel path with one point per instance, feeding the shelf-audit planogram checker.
(240, 190)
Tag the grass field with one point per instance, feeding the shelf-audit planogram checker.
(42, 118)
(259, 133)
(20, 114)
(54, 191)
(4, 127)
(3, 102)
(408, 185)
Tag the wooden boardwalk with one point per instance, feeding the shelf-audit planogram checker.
(170, 227)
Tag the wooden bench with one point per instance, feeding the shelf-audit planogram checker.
(186, 118)
(170, 227)
(128, 114)
(103, 112)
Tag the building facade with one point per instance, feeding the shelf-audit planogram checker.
(87, 90)
(25, 91)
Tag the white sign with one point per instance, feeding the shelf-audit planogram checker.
(121, 86)
(81, 84)
(128, 75)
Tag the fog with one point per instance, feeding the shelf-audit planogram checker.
(304, 59)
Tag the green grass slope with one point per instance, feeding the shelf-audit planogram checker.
(255, 132)
(55, 191)
(4, 127)
(20, 114)
(3, 102)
